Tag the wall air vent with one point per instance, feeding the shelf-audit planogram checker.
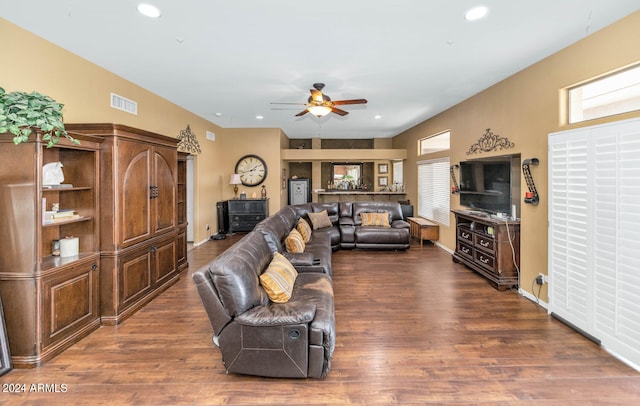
(124, 104)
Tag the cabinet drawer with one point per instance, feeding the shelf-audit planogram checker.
(247, 218)
(246, 206)
(245, 223)
(484, 259)
(465, 234)
(484, 242)
(464, 249)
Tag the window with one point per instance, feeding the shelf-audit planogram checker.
(434, 143)
(613, 94)
(397, 173)
(433, 190)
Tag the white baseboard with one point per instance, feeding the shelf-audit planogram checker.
(195, 244)
(444, 248)
(533, 298)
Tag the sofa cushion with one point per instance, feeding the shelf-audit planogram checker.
(304, 229)
(393, 208)
(380, 219)
(320, 220)
(278, 279)
(294, 241)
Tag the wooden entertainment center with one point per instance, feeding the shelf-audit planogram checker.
(122, 204)
(489, 245)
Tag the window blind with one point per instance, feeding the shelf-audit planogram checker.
(434, 190)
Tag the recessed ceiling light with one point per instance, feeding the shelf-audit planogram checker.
(476, 13)
(148, 10)
(218, 114)
(377, 117)
(259, 117)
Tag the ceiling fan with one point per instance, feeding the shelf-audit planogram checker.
(319, 104)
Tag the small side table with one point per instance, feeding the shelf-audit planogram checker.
(423, 229)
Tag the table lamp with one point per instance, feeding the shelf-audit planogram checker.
(235, 181)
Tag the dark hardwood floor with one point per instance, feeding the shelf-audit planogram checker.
(413, 328)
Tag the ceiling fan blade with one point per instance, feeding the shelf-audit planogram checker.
(302, 113)
(339, 112)
(354, 101)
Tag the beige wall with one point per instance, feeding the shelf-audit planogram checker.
(84, 88)
(525, 108)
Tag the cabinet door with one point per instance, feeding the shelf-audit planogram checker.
(165, 261)
(134, 207)
(134, 281)
(165, 181)
(70, 301)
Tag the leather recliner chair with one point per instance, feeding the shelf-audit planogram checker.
(258, 337)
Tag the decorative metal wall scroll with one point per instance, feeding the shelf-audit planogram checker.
(490, 142)
(531, 196)
(455, 189)
(188, 142)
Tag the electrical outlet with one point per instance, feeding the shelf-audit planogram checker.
(541, 279)
(208, 228)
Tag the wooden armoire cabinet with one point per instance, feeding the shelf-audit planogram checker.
(139, 233)
(50, 301)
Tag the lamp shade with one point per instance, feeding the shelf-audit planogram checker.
(319, 111)
(235, 179)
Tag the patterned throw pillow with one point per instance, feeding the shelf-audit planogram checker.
(294, 242)
(320, 220)
(375, 219)
(278, 279)
(304, 229)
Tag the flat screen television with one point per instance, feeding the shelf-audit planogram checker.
(491, 184)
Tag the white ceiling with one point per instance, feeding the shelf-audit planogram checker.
(226, 61)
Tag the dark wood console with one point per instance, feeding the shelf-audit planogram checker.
(489, 246)
(241, 215)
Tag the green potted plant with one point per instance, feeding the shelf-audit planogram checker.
(21, 112)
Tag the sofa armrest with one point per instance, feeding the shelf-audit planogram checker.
(399, 224)
(299, 258)
(278, 314)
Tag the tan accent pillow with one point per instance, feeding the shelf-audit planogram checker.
(278, 279)
(294, 241)
(375, 219)
(304, 229)
(320, 220)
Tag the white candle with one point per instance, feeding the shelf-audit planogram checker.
(69, 246)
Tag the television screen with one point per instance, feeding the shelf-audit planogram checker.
(485, 184)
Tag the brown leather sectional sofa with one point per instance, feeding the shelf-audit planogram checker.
(295, 339)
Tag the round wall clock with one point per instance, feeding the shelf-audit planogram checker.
(252, 170)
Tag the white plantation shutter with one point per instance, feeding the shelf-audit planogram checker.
(568, 220)
(594, 233)
(434, 190)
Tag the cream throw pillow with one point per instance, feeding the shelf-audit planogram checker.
(375, 219)
(294, 241)
(278, 279)
(320, 220)
(304, 229)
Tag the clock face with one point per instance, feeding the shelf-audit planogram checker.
(252, 170)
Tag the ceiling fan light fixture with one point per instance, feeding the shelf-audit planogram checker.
(319, 111)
